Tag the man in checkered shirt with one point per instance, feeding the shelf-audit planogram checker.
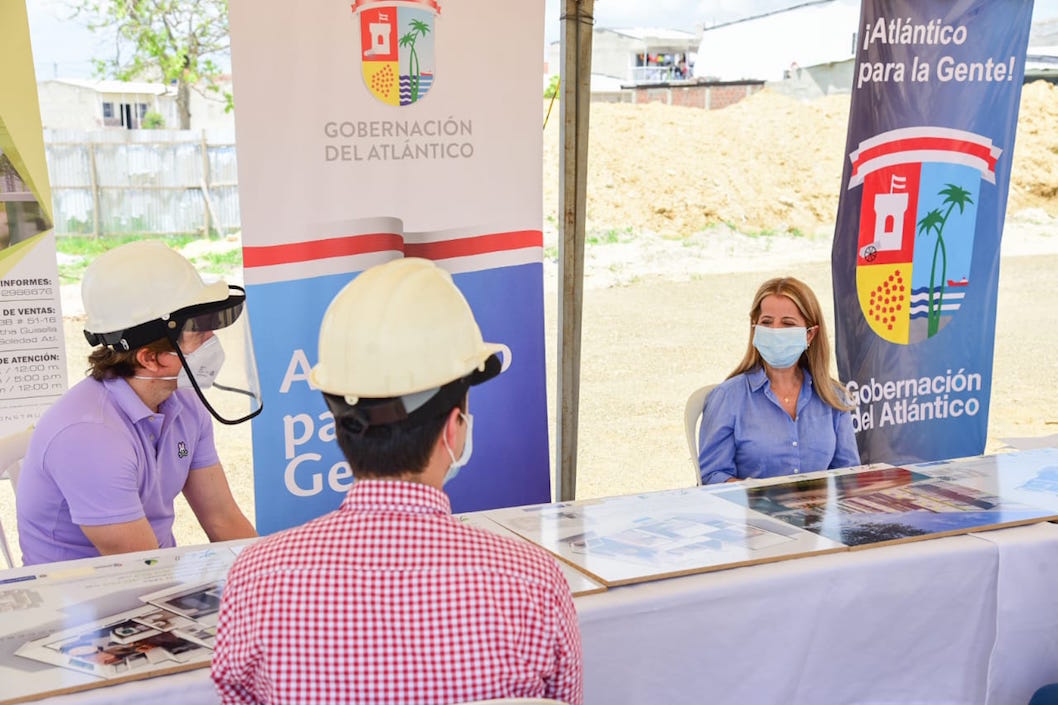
(389, 599)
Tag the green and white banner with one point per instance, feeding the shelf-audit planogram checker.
(32, 350)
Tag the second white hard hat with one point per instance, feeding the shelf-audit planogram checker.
(399, 328)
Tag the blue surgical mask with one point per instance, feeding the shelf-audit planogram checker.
(780, 347)
(468, 448)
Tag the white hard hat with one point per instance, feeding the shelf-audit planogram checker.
(398, 329)
(141, 282)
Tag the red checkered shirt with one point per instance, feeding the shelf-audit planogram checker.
(389, 599)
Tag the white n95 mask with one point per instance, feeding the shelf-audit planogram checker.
(204, 362)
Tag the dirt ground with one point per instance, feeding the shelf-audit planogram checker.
(690, 211)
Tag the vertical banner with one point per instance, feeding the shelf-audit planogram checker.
(383, 129)
(915, 260)
(32, 351)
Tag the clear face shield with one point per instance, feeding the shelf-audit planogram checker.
(213, 343)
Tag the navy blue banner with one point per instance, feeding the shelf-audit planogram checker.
(934, 110)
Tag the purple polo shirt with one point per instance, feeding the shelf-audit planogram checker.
(100, 456)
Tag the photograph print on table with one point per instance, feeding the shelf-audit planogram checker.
(1029, 477)
(197, 602)
(90, 623)
(637, 538)
(114, 647)
(882, 506)
(579, 582)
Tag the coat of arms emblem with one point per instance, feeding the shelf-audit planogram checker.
(918, 215)
(397, 48)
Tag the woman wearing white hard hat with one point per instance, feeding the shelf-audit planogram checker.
(107, 460)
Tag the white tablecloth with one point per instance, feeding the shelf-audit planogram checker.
(964, 620)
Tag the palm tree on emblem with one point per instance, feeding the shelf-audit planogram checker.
(418, 28)
(934, 221)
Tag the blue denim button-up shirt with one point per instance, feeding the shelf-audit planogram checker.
(746, 433)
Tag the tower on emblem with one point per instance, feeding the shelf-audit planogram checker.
(918, 216)
(397, 48)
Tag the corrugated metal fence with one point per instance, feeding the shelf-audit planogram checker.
(143, 181)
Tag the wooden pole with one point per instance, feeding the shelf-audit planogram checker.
(577, 20)
(209, 216)
(93, 184)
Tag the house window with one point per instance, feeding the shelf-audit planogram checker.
(142, 107)
(108, 110)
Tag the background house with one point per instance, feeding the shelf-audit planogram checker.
(809, 50)
(645, 65)
(84, 104)
(802, 43)
(635, 55)
(87, 104)
(1041, 60)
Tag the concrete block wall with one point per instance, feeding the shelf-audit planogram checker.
(707, 96)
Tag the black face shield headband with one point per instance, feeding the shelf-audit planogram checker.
(368, 413)
(209, 316)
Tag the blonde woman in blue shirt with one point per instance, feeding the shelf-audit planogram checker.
(780, 412)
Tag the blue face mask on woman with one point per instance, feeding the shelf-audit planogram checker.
(780, 347)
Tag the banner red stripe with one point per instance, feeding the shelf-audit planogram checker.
(482, 244)
(272, 255)
(358, 5)
(940, 144)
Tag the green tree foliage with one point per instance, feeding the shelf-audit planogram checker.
(173, 41)
(552, 87)
(152, 121)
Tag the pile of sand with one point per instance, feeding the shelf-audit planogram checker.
(767, 164)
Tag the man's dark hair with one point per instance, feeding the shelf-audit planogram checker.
(106, 363)
(390, 450)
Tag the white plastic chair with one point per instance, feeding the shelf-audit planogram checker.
(692, 414)
(12, 450)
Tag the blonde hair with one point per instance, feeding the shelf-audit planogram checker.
(816, 359)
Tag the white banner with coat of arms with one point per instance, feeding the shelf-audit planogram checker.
(371, 131)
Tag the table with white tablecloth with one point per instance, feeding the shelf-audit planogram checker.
(962, 620)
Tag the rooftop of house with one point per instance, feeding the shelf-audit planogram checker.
(654, 34)
(115, 87)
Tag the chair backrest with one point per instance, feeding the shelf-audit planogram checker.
(692, 414)
(5, 550)
(12, 450)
